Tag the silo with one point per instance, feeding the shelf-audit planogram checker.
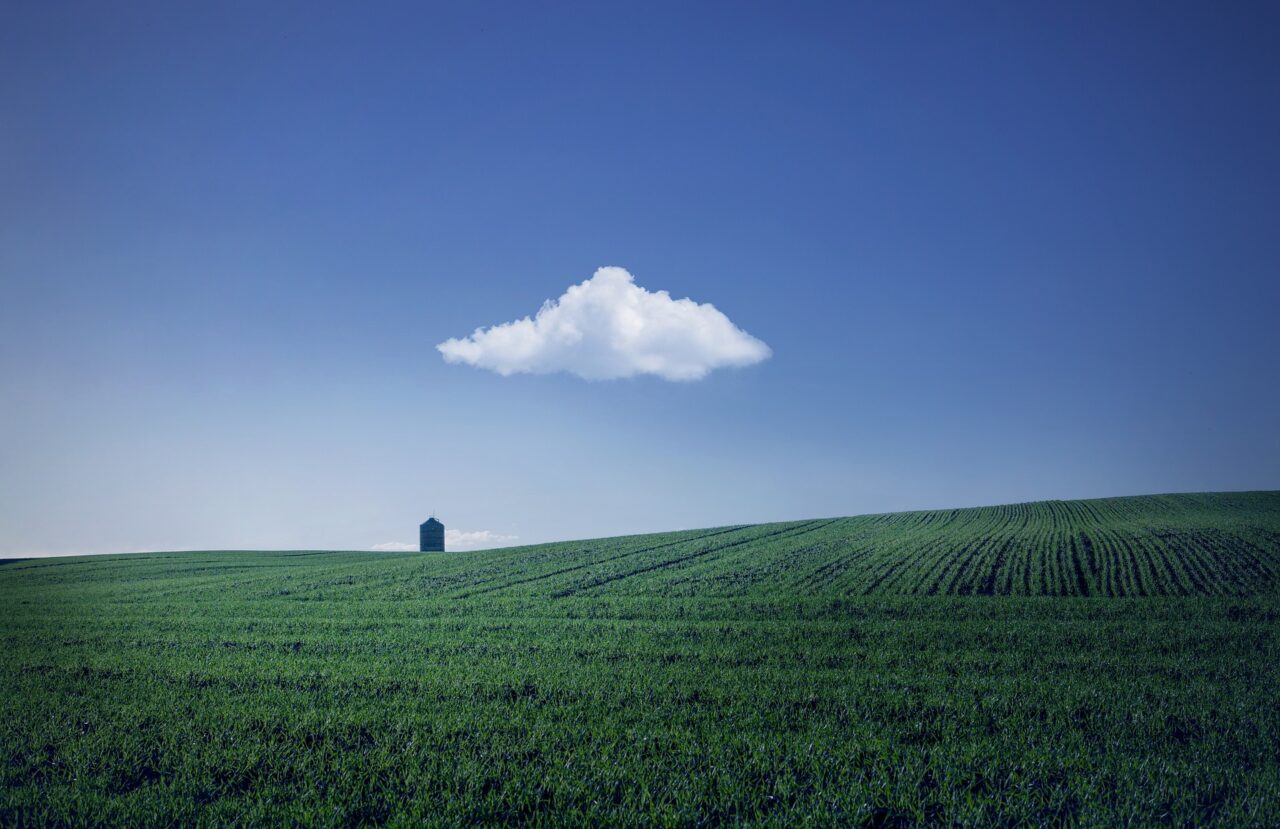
(431, 536)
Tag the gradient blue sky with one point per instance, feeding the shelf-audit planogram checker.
(1001, 252)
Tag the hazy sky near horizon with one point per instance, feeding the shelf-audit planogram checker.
(988, 252)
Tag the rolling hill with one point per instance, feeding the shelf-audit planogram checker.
(1094, 662)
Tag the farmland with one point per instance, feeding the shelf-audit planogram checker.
(1084, 662)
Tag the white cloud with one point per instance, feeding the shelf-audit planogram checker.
(478, 539)
(453, 540)
(609, 327)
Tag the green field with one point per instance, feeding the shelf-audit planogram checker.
(1113, 661)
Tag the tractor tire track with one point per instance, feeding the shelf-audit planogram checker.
(597, 562)
(791, 532)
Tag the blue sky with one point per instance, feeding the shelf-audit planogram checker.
(998, 252)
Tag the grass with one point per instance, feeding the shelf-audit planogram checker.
(1114, 661)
